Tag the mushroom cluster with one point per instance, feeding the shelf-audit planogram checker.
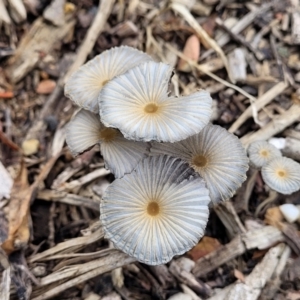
(280, 173)
(169, 162)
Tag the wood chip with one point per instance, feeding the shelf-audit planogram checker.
(237, 64)
(55, 13)
(30, 147)
(260, 238)
(41, 38)
(255, 282)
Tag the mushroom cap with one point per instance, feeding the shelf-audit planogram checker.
(84, 85)
(120, 155)
(162, 212)
(261, 152)
(138, 104)
(217, 155)
(83, 131)
(282, 174)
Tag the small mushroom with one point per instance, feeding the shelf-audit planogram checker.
(290, 212)
(217, 155)
(84, 85)
(282, 174)
(138, 104)
(162, 212)
(261, 152)
(120, 155)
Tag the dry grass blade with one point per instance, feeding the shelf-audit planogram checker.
(210, 74)
(75, 270)
(275, 126)
(261, 102)
(69, 246)
(115, 260)
(67, 198)
(182, 10)
(84, 179)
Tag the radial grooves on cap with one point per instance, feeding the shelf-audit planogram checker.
(82, 132)
(173, 227)
(84, 85)
(121, 156)
(282, 174)
(226, 162)
(137, 103)
(261, 152)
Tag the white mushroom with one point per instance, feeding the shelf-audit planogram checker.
(120, 155)
(282, 174)
(137, 103)
(217, 155)
(261, 152)
(158, 211)
(84, 86)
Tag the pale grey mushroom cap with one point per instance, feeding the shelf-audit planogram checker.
(120, 155)
(282, 174)
(158, 211)
(217, 155)
(84, 85)
(83, 131)
(261, 152)
(137, 103)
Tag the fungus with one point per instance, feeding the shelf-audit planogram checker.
(120, 155)
(217, 155)
(282, 174)
(84, 85)
(158, 211)
(261, 152)
(138, 104)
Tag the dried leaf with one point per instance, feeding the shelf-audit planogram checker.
(18, 232)
(239, 275)
(205, 246)
(192, 51)
(46, 86)
(273, 216)
(19, 205)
